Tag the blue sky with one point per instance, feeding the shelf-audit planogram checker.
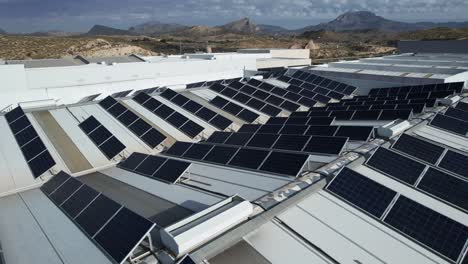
(80, 15)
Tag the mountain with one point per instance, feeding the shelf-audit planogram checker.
(244, 25)
(364, 20)
(53, 33)
(272, 30)
(2, 31)
(156, 28)
(100, 30)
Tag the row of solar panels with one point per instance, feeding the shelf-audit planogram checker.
(296, 143)
(455, 87)
(209, 83)
(417, 108)
(34, 151)
(234, 109)
(182, 123)
(211, 117)
(357, 133)
(384, 100)
(307, 79)
(322, 94)
(156, 167)
(450, 124)
(112, 227)
(102, 137)
(137, 125)
(299, 96)
(431, 229)
(363, 115)
(259, 160)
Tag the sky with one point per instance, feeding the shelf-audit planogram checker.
(80, 15)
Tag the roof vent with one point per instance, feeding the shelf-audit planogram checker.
(393, 129)
(194, 231)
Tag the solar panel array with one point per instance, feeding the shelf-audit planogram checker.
(155, 167)
(290, 101)
(112, 227)
(418, 107)
(441, 185)
(34, 151)
(462, 106)
(209, 83)
(297, 143)
(102, 137)
(433, 154)
(138, 126)
(322, 121)
(234, 109)
(246, 99)
(457, 113)
(146, 91)
(431, 229)
(269, 161)
(183, 124)
(359, 115)
(455, 87)
(450, 124)
(358, 133)
(211, 117)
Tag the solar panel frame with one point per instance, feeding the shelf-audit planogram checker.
(418, 148)
(455, 162)
(450, 124)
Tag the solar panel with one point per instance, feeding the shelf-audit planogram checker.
(133, 161)
(418, 148)
(79, 200)
(284, 163)
(197, 151)
(457, 113)
(293, 130)
(192, 106)
(112, 147)
(359, 133)
(270, 110)
(25, 136)
(108, 102)
(270, 129)
(117, 110)
(262, 140)
(238, 139)
(446, 187)
(205, 114)
(291, 142)
(366, 115)
(247, 115)
(97, 214)
(249, 158)
(361, 192)
(178, 148)
(191, 129)
(455, 162)
(89, 124)
(128, 118)
(180, 100)
(150, 165)
(220, 122)
(40, 164)
(248, 128)
(153, 138)
(394, 114)
(32, 149)
(220, 154)
(100, 135)
(428, 227)
(171, 171)
(321, 130)
(462, 106)
(177, 119)
(396, 166)
(218, 137)
(451, 124)
(52, 184)
(20, 124)
(168, 94)
(65, 191)
(109, 145)
(14, 114)
(326, 145)
(219, 102)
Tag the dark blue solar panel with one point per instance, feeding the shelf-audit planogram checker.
(220, 154)
(65, 191)
(153, 138)
(457, 113)
(396, 165)
(179, 148)
(360, 133)
(284, 163)
(171, 171)
(33, 148)
(291, 142)
(79, 200)
(418, 148)
(112, 147)
(220, 122)
(14, 114)
(321, 130)
(100, 135)
(191, 129)
(140, 127)
(20, 124)
(428, 227)
(249, 158)
(451, 124)
(108, 102)
(362, 192)
(455, 162)
(263, 140)
(133, 161)
(97, 214)
(247, 115)
(150, 165)
(238, 139)
(218, 137)
(25, 136)
(326, 145)
(197, 151)
(248, 128)
(54, 182)
(89, 124)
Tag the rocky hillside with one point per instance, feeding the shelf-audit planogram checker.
(244, 25)
(100, 30)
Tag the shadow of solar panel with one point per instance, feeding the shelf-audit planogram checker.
(178, 149)
(359, 133)
(108, 102)
(122, 234)
(133, 161)
(79, 200)
(117, 110)
(326, 145)
(89, 124)
(150, 165)
(321, 130)
(97, 214)
(168, 94)
(163, 111)
(263, 140)
(361, 192)
(457, 113)
(291, 142)
(180, 100)
(54, 182)
(247, 115)
(428, 227)
(152, 104)
(99, 135)
(177, 119)
(220, 154)
(197, 151)
(171, 171)
(192, 106)
(140, 127)
(446, 187)
(25, 136)
(220, 122)
(249, 158)
(455, 162)
(396, 166)
(20, 124)
(238, 139)
(65, 191)
(14, 114)
(33, 148)
(218, 137)
(270, 129)
(418, 148)
(284, 163)
(191, 129)
(112, 147)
